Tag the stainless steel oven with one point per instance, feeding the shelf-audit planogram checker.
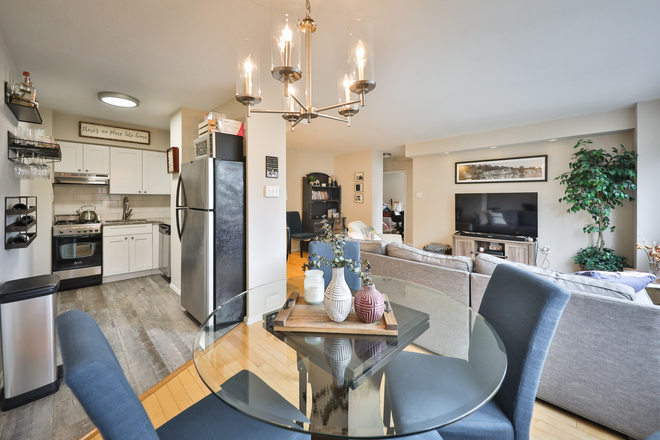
(77, 253)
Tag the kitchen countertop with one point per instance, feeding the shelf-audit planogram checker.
(153, 221)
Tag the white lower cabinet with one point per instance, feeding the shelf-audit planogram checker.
(127, 249)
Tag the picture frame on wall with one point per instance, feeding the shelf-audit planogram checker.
(359, 177)
(512, 169)
(359, 198)
(359, 187)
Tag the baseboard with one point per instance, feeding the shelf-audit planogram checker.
(176, 289)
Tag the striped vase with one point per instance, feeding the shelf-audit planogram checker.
(369, 304)
(338, 299)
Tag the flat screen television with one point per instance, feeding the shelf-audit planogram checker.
(512, 214)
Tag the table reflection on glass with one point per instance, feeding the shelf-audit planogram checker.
(346, 385)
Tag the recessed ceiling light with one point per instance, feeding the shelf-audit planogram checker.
(552, 140)
(446, 152)
(387, 154)
(118, 99)
(494, 147)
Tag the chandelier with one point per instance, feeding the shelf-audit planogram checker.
(354, 80)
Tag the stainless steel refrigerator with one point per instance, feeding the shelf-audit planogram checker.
(210, 221)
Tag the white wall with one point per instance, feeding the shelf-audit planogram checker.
(648, 148)
(434, 213)
(66, 128)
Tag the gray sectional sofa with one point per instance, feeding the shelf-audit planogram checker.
(604, 361)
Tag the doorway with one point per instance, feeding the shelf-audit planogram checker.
(394, 196)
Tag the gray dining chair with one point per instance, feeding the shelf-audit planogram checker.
(98, 382)
(296, 230)
(654, 436)
(524, 309)
(351, 250)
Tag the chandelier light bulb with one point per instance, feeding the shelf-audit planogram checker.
(248, 76)
(285, 45)
(359, 53)
(347, 85)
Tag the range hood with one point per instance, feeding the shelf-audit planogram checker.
(82, 178)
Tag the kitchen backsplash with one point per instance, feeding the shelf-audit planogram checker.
(69, 198)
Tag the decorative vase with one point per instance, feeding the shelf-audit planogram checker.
(338, 299)
(369, 304)
(338, 353)
(314, 286)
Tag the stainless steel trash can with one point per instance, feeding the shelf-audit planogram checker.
(164, 257)
(27, 330)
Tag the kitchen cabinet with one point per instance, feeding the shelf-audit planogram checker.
(83, 158)
(125, 171)
(138, 172)
(115, 255)
(72, 158)
(155, 179)
(127, 249)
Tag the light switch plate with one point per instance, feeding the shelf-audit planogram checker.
(419, 195)
(272, 191)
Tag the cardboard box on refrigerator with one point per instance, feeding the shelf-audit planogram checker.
(227, 126)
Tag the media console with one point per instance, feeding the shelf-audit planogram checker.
(514, 249)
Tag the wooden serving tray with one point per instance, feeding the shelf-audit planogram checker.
(298, 316)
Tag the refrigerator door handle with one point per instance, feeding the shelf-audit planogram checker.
(178, 190)
(179, 227)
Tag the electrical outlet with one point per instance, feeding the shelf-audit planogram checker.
(272, 191)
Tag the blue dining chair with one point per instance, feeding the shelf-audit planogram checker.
(98, 382)
(351, 250)
(654, 436)
(524, 309)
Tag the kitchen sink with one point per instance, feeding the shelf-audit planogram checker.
(126, 222)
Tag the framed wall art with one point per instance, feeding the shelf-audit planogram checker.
(359, 198)
(359, 177)
(359, 187)
(513, 169)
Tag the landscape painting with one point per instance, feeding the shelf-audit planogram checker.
(514, 169)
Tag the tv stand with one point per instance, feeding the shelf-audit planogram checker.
(505, 247)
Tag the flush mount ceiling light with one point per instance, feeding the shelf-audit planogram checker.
(118, 99)
(552, 140)
(355, 78)
(386, 155)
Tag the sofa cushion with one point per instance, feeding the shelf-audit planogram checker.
(485, 264)
(373, 246)
(405, 252)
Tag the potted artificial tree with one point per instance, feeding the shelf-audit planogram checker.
(597, 183)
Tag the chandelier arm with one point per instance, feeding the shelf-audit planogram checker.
(334, 118)
(295, 98)
(280, 112)
(293, 124)
(343, 104)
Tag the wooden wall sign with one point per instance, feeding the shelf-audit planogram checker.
(110, 133)
(173, 160)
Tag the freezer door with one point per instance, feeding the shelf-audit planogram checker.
(197, 263)
(196, 187)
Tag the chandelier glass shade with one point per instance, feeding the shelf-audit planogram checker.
(355, 78)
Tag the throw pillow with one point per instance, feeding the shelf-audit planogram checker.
(367, 232)
(355, 235)
(636, 280)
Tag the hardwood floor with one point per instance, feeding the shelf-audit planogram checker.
(148, 331)
(153, 338)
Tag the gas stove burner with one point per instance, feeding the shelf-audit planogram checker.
(86, 222)
(66, 222)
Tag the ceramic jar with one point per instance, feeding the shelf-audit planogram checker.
(338, 299)
(369, 304)
(314, 285)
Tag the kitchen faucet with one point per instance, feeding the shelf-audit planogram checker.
(126, 212)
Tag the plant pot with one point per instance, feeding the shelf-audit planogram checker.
(369, 304)
(338, 299)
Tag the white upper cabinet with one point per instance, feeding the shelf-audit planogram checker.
(83, 158)
(125, 171)
(72, 158)
(96, 159)
(155, 179)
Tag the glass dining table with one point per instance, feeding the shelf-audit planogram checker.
(348, 385)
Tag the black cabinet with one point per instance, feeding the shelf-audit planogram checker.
(317, 200)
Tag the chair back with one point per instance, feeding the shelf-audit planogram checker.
(94, 375)
(524, 309)
(351, 250)
(293, 222)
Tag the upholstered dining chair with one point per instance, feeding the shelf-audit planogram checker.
(654, 436)
(351, 250)
(296, 230)
(98, 382)
(524, 309)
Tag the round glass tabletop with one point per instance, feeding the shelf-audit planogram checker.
(445, 362)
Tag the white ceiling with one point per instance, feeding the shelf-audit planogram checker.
(443, 68)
